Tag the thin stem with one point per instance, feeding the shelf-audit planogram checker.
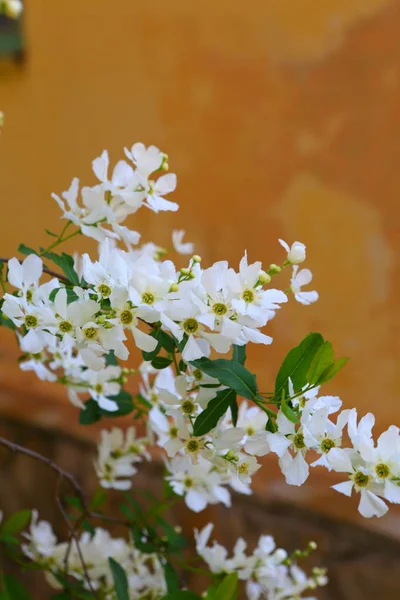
(175, 362)
(58, 240)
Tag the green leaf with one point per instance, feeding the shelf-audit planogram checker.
(111, 359)
(228, 588)
(15, 523)
(13, 589)
(137, 534)
(231, 374)
(163, 341)
(333, 369)
(90, 414)
(66, 263)
(161, 362)
(71, 296)
(125, 405)
(26, 250)
(239, 354)
(171, 577)
(120, 580)
(321, 362)
(234, 410)
(296, 365)
(182, 366)
(175, 541)
(288, 410)
(98, 499)
(51, 233)
(182, 595)
(216, 408)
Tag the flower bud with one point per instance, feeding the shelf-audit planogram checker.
(264, 278)
(274, 269)
(174, 287)
(196, 258)
(185, 271)
(297, 253)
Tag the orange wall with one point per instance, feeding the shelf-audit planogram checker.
(281, 118)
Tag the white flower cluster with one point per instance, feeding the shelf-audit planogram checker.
(268, 572)
(127, 189)
(118, 454)
(11, 8)
(144, 572)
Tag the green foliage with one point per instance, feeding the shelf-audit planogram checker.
(161, 362)
(26, 250)
(93, 413)
(14, 524)
(216, 408)
(66, 264)
(171, 577)
(182, 595)
(120, 580)
(12, 589)
(231, 374)
(239, 354)
(296, 364)
(228, 588)
(163, 341)
(71, 296)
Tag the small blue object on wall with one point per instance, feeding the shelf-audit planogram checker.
(11, 38)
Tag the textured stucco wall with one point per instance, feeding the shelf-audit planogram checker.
(281, 118)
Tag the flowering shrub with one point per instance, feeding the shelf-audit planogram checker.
(76, 320)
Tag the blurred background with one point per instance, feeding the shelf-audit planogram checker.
(281, 118)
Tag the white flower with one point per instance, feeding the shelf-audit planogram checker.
(288, 441)
(117, 454)
(296, 254)
(361, 479)
(298, 280)
(12, 8)
(179, 246)
(25, 276)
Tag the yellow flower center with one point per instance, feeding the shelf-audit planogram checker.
(65, 327)
(220, 309)
(190, 326)
(148, 298)
(90, 333)
(248, 295)
(104, 290)
(31, 321)
(126, 317)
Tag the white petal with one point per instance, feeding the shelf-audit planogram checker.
(371, 506)
(195, 501)
(296, 470)
(340, 461)
(15, 273)
(32, 269)
(346, 487)
(100, 166)
(166, 184)
(392, 492)
(143, 340)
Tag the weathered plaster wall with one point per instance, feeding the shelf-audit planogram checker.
(281, 118)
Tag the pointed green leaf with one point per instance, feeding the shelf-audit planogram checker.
(66, 263)
(228, 588)
(182, 595)
(26, 250)
(333, 369)
(216, 408)
(171, 577)
(239, 354)
(161, 362)
(322, 360)
(15, 523)
(13, 589)
(120, 580)
(231, 374)
(296, 364)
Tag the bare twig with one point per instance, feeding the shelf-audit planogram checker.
(62, 474)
